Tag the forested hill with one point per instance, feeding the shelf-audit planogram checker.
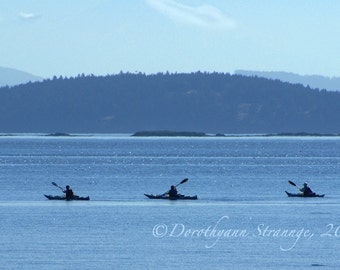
(206, 102)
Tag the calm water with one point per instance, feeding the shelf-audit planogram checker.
(242, 220)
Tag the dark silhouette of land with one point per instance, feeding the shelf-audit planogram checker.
(191, 102)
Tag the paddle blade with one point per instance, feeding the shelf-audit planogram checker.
(55, 184)
(183, 181)
(292, 183)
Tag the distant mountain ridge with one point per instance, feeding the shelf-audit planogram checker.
(314, 81)
(11, 77)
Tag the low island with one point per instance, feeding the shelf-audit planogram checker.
(166, 133)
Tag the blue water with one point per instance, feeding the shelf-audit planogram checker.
(242, 220)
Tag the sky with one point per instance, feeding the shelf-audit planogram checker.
(70, 37)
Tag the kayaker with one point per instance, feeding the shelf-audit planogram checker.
(306, 190)
(173, 192)
(69, 193)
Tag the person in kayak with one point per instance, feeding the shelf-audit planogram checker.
(173, 192)
(306, 190)
(69, 193)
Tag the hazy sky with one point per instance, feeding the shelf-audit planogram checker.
(69, 37)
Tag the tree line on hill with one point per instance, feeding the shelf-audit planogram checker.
(202, 102)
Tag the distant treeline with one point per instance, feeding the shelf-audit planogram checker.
(199, 102)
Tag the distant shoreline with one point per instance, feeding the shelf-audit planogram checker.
(164, 133)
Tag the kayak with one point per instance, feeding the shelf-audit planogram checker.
(304, 196)
(165, 197)
(63, 198)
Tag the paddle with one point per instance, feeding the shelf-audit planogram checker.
(180, 183)
(55, 184)
(293, 184)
